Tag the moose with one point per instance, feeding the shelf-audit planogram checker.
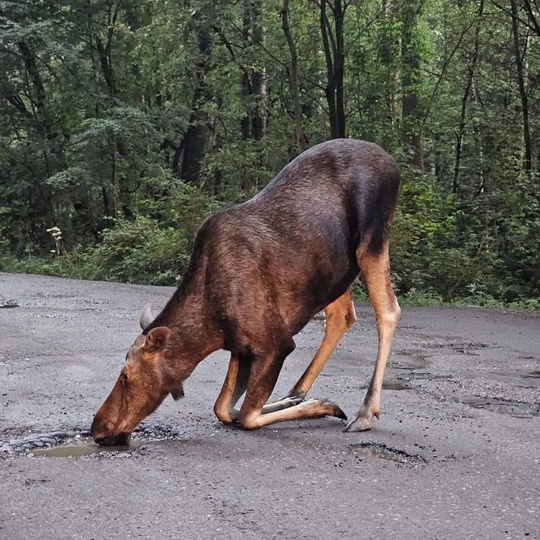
(258, 273)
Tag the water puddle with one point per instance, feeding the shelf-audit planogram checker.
(82, 446)
(396, 385)
(381, 451)
(409, 360)
(79, 443)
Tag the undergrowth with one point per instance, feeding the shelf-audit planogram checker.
(124, 266)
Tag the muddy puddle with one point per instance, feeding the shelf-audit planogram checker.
(82, 446)
(381, 451)
(397, 384)
(69, 444)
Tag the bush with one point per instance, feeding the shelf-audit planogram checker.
(155, 246)
(141, 251)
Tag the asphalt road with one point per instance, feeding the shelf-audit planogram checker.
(455, 455)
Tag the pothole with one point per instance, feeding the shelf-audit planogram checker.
(28, 443)
(409, 360)
(412, 367)
(79, 443)
(515, 409)
(381, 451)
(397, 384)
(8, 304)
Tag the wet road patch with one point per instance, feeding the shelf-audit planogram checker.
(398, 384)
(412, 368)
(35, 441)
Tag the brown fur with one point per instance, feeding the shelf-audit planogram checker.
(258, 273)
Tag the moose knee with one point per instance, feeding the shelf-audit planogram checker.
(395, 314)
(389, 318)
(249, 420)
(224, 414)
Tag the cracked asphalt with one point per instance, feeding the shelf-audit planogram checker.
(455, 455)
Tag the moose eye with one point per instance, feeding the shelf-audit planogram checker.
(124, 378)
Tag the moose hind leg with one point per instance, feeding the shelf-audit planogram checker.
(264, 373)
(375, 268)
(339, 317)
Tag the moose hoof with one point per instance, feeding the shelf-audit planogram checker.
(340, 414)
(333, 410)
(363, 422)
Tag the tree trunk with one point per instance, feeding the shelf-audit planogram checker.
(194, 141)
(300, 137)
(339, 20)
(259, 75)
(521, 77)
(334, 54)
(254, 80)
(412, 121)
(465, 99)
(103, 45)
(43, 125)
(104, 49)
(395, 84)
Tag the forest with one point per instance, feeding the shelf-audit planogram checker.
(126, 122)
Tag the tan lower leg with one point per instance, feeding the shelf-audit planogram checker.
(263, 375)
(339, 316)
(376, 271)
(311, 408)
(233, 387)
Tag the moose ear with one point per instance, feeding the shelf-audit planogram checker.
(156, 339)
(177, 392)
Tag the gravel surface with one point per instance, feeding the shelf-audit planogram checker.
(455, 455)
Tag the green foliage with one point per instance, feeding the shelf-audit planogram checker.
(141, 251)
(148, 250)
(425, 221)
(144, 249)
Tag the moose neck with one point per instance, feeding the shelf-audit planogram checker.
(193, 336)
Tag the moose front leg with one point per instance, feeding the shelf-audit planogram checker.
(233, 388)
(263, 377)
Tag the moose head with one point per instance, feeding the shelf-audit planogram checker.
(144, 382)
